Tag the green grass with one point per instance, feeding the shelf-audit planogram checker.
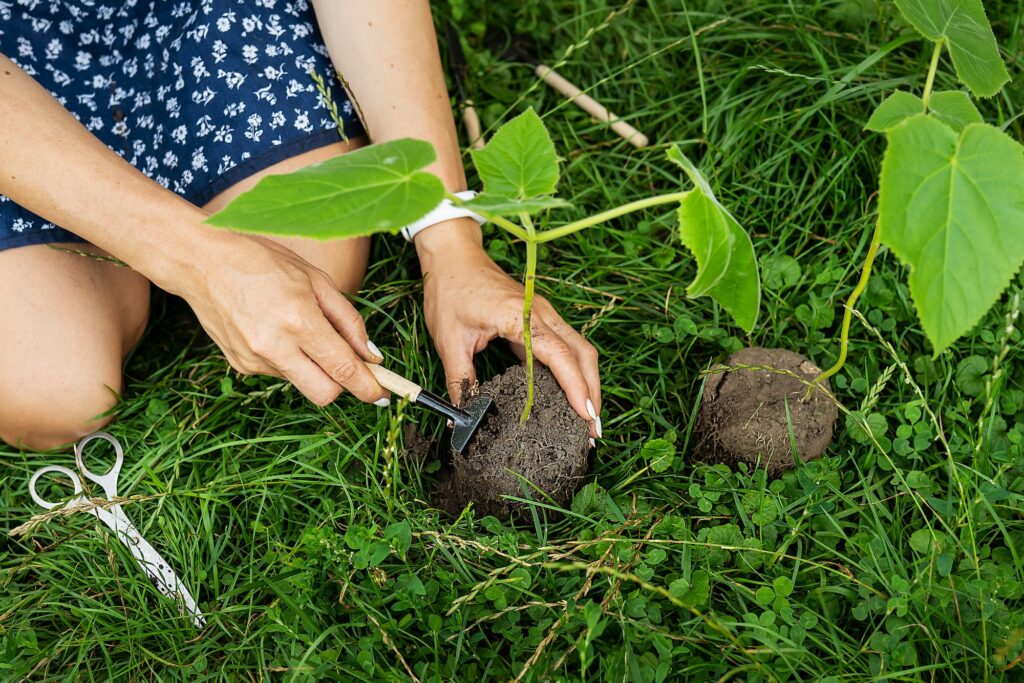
(308, 536)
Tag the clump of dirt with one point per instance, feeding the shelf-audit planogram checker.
(743, 413)
(419, 447)
(549, 453)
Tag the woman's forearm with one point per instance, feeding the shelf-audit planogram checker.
(388, 55)
(51, 165)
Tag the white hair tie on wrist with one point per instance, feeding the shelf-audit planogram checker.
(445, 211)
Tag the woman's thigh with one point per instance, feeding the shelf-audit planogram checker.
(344, 260)
(67, 321)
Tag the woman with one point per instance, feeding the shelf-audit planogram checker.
(159, 113)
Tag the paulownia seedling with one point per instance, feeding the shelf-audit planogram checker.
(383, 187)
(951, 191)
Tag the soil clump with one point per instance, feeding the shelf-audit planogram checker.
(743, 412)
(505, 458)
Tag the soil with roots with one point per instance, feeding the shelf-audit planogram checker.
(544, 460)
(743, 414)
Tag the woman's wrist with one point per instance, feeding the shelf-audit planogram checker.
(176, 248)
(448, 241)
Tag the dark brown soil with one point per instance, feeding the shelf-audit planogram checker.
(550, 453)
(743, 413)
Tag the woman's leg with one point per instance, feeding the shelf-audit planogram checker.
(344, 260)
(67, 323)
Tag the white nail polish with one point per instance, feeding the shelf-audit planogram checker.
(593, 444)
(382, 402)
(594, 417)
(373, 349)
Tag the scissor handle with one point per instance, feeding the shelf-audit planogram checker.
(108, 480)
(40, 501)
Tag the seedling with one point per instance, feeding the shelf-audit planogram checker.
(383, 187)
(951, 191)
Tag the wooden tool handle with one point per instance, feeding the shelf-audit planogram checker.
(395, 383)
(590, 105)
(472, 122)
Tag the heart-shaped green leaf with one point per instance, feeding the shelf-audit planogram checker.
(954, 108)
(963, 26)
(374, 189)
(726, 264)
(952, 208)
(520, 160)
(897, 108)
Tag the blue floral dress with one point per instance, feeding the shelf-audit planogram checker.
(198, 95)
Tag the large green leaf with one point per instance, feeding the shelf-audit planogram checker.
(954, 108)
(374, 189)
(952, 208)
(520, 160)
(894, 110)
(962, 24)
(726, 264)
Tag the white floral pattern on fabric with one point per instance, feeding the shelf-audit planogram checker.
(195, 94)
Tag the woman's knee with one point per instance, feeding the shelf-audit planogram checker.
(45, 417)
(68, 322)
(346, 262)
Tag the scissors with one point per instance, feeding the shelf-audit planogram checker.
(155, 566)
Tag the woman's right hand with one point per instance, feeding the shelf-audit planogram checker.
(273, 313)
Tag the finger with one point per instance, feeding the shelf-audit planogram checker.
(458, 371)
(252, 367)
(246, 363)
(340, 363)
(586, 354)
(344, 317)
(555, 353)
(519, 350)
(309, 378)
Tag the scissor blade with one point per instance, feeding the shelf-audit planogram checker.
(165, 580)
(153, 564)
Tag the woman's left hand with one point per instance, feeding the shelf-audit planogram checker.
(469, 301)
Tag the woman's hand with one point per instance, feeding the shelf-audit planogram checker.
(272, 313)
(469, 300)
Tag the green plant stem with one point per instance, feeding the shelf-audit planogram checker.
(530, 279)
(598, 218)
(865, 275)
(500, 221)
(932, 70)
(582, 224)
(844, 337)
(509, 226)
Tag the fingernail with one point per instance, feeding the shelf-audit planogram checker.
(451, 424)
(382, 402)
(594, 417)
(593, 444)
(373, 349)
